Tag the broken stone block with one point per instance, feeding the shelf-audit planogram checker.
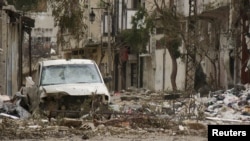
(191, 124)
(4, 98)
(70, 122)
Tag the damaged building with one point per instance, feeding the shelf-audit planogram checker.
(217, 31)
(13, 26)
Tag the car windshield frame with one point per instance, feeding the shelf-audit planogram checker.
(70, 74)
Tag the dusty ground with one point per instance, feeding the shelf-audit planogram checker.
(32, 130)
(122, 137)
(148, 137)
(136, 117)
(138, 137)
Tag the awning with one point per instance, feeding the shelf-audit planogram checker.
(27, 22)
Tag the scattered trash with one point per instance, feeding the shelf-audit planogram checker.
(137, 110)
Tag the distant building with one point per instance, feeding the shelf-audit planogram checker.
(43, 38)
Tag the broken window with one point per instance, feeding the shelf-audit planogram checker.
(65, 74)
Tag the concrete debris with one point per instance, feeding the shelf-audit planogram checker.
(4, 98)
(71, 122)
(231, 105)
(192, 124)
(136, 111)
(13, 106)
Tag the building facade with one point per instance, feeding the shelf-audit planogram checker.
(220, 42)
(13, 25)
(220, 38)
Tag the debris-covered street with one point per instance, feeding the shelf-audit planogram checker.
(134, 114)
(124, 70)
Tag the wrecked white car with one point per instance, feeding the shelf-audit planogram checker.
(71, 87)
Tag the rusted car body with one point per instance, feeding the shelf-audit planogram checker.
(68, 86)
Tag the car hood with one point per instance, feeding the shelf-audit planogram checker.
(77, 89)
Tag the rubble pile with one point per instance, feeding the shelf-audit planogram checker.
(132, 111)
(232, 105)
(13, 107)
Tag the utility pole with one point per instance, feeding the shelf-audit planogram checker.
(109, 44)
(109, 47)
(191, 47)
